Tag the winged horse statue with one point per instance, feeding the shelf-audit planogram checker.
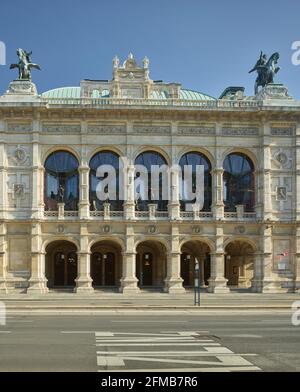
(25, 64)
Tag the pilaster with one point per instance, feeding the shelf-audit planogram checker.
(84, 280)
(129, 280)
(217, 281)
(37, 281)
(173, 281)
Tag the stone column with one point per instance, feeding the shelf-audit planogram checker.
(37, 175)
(174, 205)
(37, 281)
(201, 266)
(3, 287)
(129, 280)
(129, 206)
(84, 280)
(152, 211)
(3, 174)
(256, 284)
(297, 214)
(217, 193)
(106, 207)
(270, 284)
(84, 203)
(61, 210)
(173, 281)
(297, 261)
(240, 211)
(266, 174)
(217, 283)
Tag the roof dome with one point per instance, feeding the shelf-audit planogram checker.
(74, 92)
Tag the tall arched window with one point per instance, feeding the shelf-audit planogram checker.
(100, 159)
(193, 159)
(148, 159)
(61, 181)
(238, 179)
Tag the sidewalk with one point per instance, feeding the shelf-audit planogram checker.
(147, 301)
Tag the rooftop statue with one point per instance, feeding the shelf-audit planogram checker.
(25, 64)
(266, 70)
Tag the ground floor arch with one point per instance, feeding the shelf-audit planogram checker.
(190, 251)
(239, 264)
(106, 264)
(151, 261)
(61, 264)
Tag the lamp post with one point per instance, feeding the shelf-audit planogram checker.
(197, 283)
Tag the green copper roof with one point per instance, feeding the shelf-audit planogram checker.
(63, 92)
(74, 92)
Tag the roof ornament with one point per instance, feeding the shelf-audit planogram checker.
(24, 65)
(116, 62)
(266, 70)
(130, 62)
(146, 62)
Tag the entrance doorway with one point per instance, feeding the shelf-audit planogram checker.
(106, 264)
(191, 251)
(61, 264)
(151, 264)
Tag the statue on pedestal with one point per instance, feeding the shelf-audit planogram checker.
(266, 70)
(24, 65)
(61, 194)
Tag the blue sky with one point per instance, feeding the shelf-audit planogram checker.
(205, 45)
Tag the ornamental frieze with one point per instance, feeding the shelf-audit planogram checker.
(17, 127)
(284, 131)
(240, 130)
(197, 130)
(106, 129)
(62, 128)
(152, 129)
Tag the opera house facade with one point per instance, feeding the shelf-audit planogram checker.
(56, 234)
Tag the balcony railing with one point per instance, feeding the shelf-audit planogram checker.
(196, 215)
(150, 215)
(201, 104)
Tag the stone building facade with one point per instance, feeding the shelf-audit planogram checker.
(250, 243)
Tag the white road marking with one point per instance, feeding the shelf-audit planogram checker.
(77, 332)
(194, 369)
(207, 354)
(244, 336)
(5, 331)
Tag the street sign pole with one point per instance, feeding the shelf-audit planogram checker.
(197, 283)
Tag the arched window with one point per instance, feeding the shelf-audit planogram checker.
(100, 159)
(238, 179)
(150, 192)
(193, 159)
(61, 181)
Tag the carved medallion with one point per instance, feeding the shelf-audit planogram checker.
(152, 229)
(106, 229)
(197, 230)
(60, 229)
(240, 229)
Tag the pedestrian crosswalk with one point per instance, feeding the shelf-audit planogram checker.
(166, 351)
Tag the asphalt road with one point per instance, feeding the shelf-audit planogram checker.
(227, 341)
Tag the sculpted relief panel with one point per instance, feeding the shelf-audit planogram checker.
(19, 190)
(282, 159)
(281, 193)
(18, 155)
